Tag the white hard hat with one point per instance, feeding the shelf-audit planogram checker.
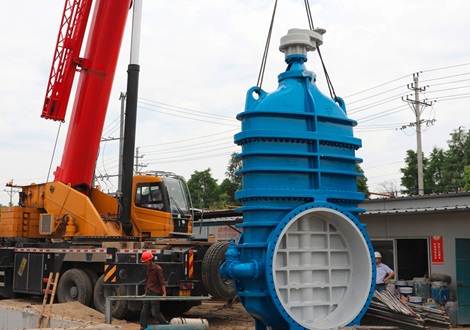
(378, 255)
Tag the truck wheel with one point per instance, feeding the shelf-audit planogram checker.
(215, 285)
(75, 285)
(93, 278)
(118, 307)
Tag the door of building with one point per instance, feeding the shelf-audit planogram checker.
(462, 255)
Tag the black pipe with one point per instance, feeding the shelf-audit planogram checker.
(129, 146)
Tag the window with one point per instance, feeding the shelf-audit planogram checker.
(178, 200)
(149, 195)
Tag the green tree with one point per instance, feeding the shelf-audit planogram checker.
(362, 182)
(227, 191)
(434, 172)
(234, 165)
(233, 181)
(456, 158)
(466, 178)
(444, 170)
(409, 180)
(204, 189)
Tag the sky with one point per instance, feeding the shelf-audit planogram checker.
(198, 59)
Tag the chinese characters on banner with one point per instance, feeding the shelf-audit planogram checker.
(226, 233)
(437, 250)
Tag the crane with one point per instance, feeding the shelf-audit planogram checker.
(72, 228)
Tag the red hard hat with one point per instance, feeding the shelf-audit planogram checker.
(146, 256)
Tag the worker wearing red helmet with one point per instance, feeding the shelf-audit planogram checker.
(154, 286)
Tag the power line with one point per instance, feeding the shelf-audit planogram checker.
(185, 117)
(448, 89)
(371, 88)
(193, 158)
(445, 77)
(189, 147)
(378, 94)
(382, 165)
(190, 139)
(447, 67)
(448, 82)
(382, 113)
(166, 105)
(451, 97)
(377, 103)
(188, 154)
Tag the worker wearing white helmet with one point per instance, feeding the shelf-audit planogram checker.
(384, 273)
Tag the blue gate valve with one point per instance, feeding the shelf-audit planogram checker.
(303, 260)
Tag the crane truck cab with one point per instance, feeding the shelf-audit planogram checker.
(160, 207)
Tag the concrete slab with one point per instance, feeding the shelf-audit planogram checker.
(21, 314)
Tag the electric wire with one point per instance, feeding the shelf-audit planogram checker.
(228, 153)
(188, 147)
(166, 105)
(447, 89)
(111, 126)
(190, 139)
(377, 103)
(377, 86)
(366, 98)
(447, 67)
(185, 117)
(451, 82)
(445, 77)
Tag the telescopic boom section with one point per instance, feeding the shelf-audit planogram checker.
(93, 90)
(66, 58)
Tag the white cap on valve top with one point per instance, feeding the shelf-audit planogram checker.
(301, 41)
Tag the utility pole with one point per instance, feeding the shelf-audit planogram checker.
(138, 166)
(418, 108)
(10, 192)
(122, 98)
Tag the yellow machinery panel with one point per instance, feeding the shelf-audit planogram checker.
(20, 222)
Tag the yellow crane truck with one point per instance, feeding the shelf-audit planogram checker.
(94, 240)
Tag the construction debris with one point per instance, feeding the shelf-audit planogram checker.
(433, 318)
(386, 309)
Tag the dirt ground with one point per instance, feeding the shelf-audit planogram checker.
(219, 315)
(223, 317)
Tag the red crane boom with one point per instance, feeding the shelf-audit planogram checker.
(98, 66)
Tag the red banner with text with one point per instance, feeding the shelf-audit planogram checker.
(437, 250)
